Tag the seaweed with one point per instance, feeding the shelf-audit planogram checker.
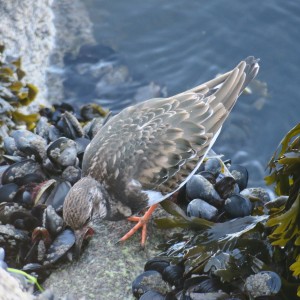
(15, 94)
(285, 175)
(235, 249)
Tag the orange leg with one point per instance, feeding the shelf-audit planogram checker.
(141, 222)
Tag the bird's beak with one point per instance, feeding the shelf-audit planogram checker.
(81, 235)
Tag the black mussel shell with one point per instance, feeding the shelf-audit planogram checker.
(26, 199)
(213, 165)
(268, 298)
(30, 144)
(8, 192)
(201, 284)
(201, 209)
(23, 220)
(63, 107)
(264, 283)
(156, 264)
(81, 143)
(47, 131)
(29, 178)
(152, 295)
(52, 221)
(58, 195)
(91, 110)
(9, 145)
(238, 206)
(37, 269)
(38, 212)
(54, 133)
(173, 274)
(60, 246)
(51, 168)
(209, 176)
(148, 280)
(240, 174)
(63, 152)
(2, 170)
(199, 187)
(11, 159)
(32, 267)
(46, 112)
(21, 169)
(93, 127)
(42, 128)
(226, 187)
(70, 126)
(43, 191)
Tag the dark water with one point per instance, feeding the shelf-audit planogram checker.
(181, 43)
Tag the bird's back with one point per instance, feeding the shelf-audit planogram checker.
(148, 151)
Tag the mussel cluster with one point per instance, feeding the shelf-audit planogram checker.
(219, 192)
(187, 269)
(162, 280)
(36, 173)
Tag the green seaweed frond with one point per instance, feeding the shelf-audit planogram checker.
(30, 278)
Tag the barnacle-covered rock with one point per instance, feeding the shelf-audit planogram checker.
(265, 283)
(3, 264)
(71, 174)
(10, 287)
(256, 194)
(11, 239)
(7, 209)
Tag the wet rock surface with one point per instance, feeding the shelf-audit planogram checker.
(106, 268)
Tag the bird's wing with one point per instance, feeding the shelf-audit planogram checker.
(158, 143)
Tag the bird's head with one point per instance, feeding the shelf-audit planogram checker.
(84, 203)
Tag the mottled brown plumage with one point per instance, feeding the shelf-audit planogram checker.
(148, 151)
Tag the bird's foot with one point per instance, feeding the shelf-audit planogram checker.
(141, 222)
